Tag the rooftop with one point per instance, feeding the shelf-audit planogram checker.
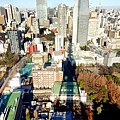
(57, 53)
(9, 103)
(62, 115)
(27, 70)
(66, 88)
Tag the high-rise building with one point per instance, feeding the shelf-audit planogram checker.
(3, 12)
(62, 22)
(94, 27)
(16, 14)
(18, 17)
(57, 42)
(70, 25)
(46, 23)
(41, 6)
(14, 10)
(8, 8)
(51, 12)
(15, 40)
(80, 22)
(35, 26)
(2, 19)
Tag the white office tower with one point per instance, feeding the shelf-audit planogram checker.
(8, 8)
(41, 6)
(80, 22)
(62, 22)
(14, 10)
(57, 42)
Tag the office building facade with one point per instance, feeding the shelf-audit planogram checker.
(62, 22)
(15, 40)
(41, 6)
(80, 22)
(16, 14)
(35, 26)
(45, 78)
(3, 12)
(2, 20)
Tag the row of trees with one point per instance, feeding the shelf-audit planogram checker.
(9, 59)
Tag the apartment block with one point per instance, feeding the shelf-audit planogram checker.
(45, 77)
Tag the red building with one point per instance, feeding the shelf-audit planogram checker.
(32, 48)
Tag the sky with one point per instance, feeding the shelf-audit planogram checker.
(55, 3)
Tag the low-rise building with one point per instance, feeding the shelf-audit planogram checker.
(87, 58)
(65, 91)
(57, 56)
(15, 82)
(111, 58)
(37, 58)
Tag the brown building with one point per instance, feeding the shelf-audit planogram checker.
(29, 21)
(46, 23)
(0, 28)
(93, 15)
(2, 19)
(45, 78)
(113, 34)
(3, 12)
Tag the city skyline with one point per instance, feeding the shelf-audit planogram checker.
(51, 3)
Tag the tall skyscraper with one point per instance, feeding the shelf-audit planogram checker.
(3, 12)
(41, 6)
(80, 22)
(15, 40)
(8, 8)
(14, 10)
(62, 22)
(2, 19)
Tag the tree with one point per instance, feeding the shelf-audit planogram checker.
(108, 77)
(81, 83)
(118, 53)
(28, 116)
(111, 70)
(93, 96)
(83, 48)
(8, 55)
(99, 109)
(16, 57)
